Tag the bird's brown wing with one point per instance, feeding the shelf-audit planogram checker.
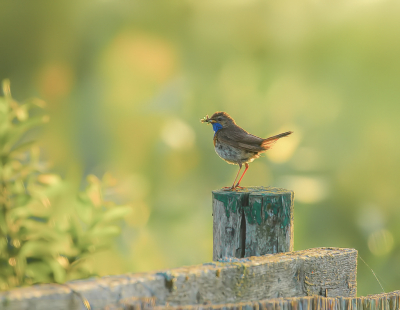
(240, 138)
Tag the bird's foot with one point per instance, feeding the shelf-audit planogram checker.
(231, 188)
(239, 187)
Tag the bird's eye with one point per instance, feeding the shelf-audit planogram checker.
(219, 118)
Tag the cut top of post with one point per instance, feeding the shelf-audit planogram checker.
(263, 190)
(251, 222)
(233, 200)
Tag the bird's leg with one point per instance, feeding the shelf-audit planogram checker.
(247, 167)
(233, 185)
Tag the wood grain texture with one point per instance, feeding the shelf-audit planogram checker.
(386, 301)
(302, 273)
(252, 222)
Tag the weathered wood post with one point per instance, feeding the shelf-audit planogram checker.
(252, 222)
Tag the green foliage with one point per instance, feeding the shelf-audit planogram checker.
(47, 232)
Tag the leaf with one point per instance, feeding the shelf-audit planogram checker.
(20, 268)
(35, 249)
(42, 232)
(6, 88)
(18, 189)
(18, 131)
(3, 224)
(49, 179)
(80, 269)
(22, 113)
(20, 212)
(4, 124)
(84, 198)
(22, 200)
(115, 213)
(84, 211)
(58, 270)
(21, 147)
(33, 103)
(39, 271)
(108, 231)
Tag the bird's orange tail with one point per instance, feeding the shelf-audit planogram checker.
(269, 142)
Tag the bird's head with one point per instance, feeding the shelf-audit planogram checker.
(220, 119)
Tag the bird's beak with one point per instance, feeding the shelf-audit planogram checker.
(207, 120)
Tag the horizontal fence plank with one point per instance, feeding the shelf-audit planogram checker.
(386, 301)
(320, 271)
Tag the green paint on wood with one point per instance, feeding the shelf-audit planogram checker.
(266, 207)
(286, 202)
(253, 213)
(279, 208)
(230, 202)
(221, 196)
(233, 201)
(231, 206)
(265, 203)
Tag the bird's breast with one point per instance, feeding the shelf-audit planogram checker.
(231, 154)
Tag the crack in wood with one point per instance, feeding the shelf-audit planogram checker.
(243, 235)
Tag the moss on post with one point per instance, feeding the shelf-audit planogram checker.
(252, 222)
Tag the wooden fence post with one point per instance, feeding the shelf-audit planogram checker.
(252, 222)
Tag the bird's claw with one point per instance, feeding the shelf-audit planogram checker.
(230, 188)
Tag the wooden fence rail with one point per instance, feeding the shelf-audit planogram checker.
(320, 271)
(388, 301)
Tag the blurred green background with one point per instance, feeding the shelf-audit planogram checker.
(126, 83)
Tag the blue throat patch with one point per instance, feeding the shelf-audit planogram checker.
(216, 127)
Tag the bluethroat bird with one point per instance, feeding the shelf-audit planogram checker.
(235, 145)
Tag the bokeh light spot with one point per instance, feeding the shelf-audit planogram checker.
(135, 66)
(12, 261)
(307, 158)
(307, 189)
(55, 81)
(63, 261)
(380, 242)
(284, 148)
(178, 135)
(370, 218)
